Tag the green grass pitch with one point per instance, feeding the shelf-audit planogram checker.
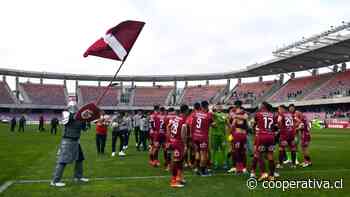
(31, 156)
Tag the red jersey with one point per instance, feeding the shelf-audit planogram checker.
(101, 129)
(232, 114)
(264, 121)
(286, 125)
(154, 123)
(189, 119)
(238, 122)
(162, 123)
(200, 124)
(301, 119)
(176, 125)
(169, 117)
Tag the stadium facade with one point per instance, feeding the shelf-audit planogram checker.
(331, 90)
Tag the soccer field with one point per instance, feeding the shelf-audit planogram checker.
(27, 161)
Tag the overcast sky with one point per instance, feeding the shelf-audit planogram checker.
(182, 36)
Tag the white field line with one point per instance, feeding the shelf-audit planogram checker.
(7, 184)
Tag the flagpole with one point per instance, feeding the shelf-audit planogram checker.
(99, 99)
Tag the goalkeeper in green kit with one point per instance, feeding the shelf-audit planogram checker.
(218, 140)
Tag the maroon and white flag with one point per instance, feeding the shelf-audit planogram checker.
(116, 45)
(117, 42)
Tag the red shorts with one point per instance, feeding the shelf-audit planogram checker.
(200, 144)
(159, 139)
(287, 140)
(265, 142)
(305, 140)
(177, 149)
(239, 140)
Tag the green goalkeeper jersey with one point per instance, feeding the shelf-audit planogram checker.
(220, 121)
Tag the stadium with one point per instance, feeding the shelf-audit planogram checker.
(315, 92)
(312, 74)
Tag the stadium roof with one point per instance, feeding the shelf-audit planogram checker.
(319, 51)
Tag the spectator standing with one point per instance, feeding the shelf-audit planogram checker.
(101, 134)
(13, 124)
(144, 128)
(120, 128)
(128, 120)
(136, 122)
(54, 125)
(22, 123)
(41, 123)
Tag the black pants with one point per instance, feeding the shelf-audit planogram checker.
(54, 129)
(127, 135)
(21, 128)
(101, 143)
(143, 138)
(137, 135)
(41, 127)
(121, 135)
(13, 126)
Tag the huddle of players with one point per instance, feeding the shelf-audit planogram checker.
(177, 133)
(182, 134)
(270, 128)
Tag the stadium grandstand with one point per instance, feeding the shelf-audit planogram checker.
(330, 49)
(212, 93)
(86, 94)
(149, 96)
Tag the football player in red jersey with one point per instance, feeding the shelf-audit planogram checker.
(201, 121)
(177, 131)
(195, 152)
(265, 140)
(239, 133)
(304, 130)
(154, 135)
(167, 156)
(160, 136)
(285, 122)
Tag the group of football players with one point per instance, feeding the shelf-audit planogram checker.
(184, 137)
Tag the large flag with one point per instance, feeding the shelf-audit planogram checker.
(116, 45)
(117, 42)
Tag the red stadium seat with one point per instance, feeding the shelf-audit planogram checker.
(199, 93)
(91, 93)
(296, 88)
(45, 94)
(248, 93)
(5, 94)
(148, 96)
(337, 85)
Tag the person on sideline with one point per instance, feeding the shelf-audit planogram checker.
(70, 149)
(101, 134)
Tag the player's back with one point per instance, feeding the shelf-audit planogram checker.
(170, 116)
(220, 119)
(264, 121)
(162, 122)
(287, 122)
(201, 122)
(154, 122)
(176, 125)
